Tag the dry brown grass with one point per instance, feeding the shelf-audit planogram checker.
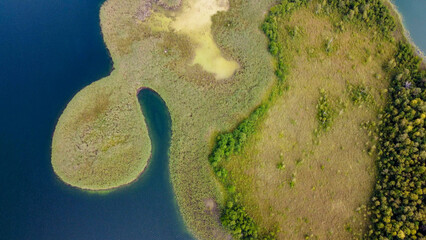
(335, 176)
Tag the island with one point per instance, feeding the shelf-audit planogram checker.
(291, 119)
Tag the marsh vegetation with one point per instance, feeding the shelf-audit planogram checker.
(284, 126)
(151, 54)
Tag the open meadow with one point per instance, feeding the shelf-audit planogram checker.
(308, 176)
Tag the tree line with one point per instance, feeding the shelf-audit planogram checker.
(397, 207)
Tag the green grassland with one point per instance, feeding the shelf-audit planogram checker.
(309, 176)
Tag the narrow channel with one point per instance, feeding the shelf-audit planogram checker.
(161, 217)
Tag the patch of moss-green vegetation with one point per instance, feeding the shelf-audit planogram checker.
(325, 112)
(359, 94)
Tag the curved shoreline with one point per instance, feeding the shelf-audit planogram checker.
(101, 190)
(405, 33)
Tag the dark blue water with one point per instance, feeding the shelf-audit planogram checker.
(49, 50)
(414, 15)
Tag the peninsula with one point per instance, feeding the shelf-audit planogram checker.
(292, 119)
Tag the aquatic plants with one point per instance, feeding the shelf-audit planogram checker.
(159, 58)
(169, 4)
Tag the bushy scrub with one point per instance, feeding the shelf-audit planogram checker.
(270, 28)
(359, 94)
(235, 218)
(232, 142)
(371, 12)
(324, 111)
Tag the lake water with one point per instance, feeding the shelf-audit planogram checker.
(49, 50)
(414, 17)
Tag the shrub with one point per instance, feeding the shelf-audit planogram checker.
(324, 111)
(359, 94)
(371, 12)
